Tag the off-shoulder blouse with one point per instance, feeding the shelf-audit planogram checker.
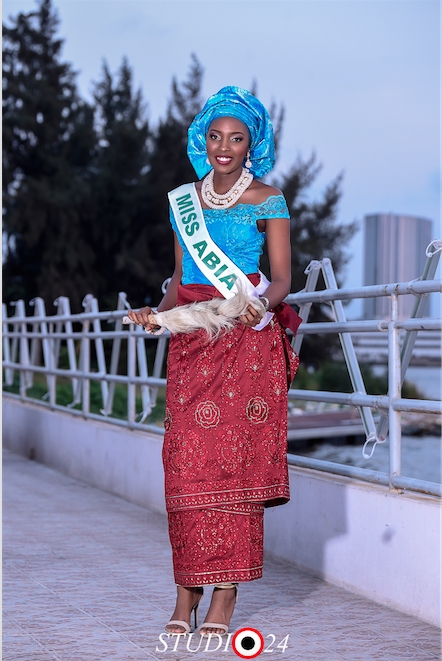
(235, 231)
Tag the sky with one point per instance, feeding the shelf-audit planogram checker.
(359, 80)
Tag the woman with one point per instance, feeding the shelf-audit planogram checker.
(224, 449)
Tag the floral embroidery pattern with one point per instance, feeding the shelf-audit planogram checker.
(178, 372)
(205, 365)
(276, 448)
(235, 450)
(224, 545)
(207, 414)
(216, 532)
(257, 410)
(185, 456)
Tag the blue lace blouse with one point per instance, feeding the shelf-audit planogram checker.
(235, 231)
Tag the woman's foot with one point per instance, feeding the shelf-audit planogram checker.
(187, 600)
(220, 611)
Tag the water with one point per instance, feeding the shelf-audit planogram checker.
(421, 457)
(427, 379)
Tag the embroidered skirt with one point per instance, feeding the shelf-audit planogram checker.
(225, 446)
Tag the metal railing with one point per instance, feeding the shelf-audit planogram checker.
(94, 352)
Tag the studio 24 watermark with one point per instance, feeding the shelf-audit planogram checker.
(247, 643)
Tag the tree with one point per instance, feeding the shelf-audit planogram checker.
(169, 168)
(315, 234)
(48, 144)
(134, 169)
(121, 193)
(277, 115)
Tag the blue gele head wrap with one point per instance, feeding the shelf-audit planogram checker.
(240, 104)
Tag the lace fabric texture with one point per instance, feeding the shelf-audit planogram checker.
(235, 231)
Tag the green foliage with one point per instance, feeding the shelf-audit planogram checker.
(48, 144)
(334, 377)
(64, 396)
(314, 226)
(169, 167)
(315, 234)
(120, 184)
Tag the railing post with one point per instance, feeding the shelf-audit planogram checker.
(9, 373)
(115, 355)
(52, 381)
(394, 390)
(85, 367)
(143, 372)
(25, 377)
(312, 271)
(99, 349)
(350, 354)
(64, 308)
(131, 367)
(158, 365)
(40, 311)
(14, 342)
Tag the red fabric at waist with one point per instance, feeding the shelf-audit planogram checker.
(196, 292)
(285, 314)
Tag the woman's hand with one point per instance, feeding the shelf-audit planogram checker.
(142, 318)
(251, 318)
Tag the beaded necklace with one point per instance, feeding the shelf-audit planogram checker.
(215, 200)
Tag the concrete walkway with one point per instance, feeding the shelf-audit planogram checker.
(87, 577)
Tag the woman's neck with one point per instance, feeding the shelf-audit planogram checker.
(224, 182)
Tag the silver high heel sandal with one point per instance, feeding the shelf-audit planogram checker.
(182, 623)
(218, 625)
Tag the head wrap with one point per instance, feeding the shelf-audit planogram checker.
(240, 104)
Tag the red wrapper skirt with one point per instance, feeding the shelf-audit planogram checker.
(225, 445)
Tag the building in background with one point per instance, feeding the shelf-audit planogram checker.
(394, 251)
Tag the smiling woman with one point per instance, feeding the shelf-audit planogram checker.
(227, 145)
(224, 448)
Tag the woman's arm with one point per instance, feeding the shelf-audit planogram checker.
(279, 252)
(278, 248)
(170, 297)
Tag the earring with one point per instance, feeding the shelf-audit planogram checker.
(207, 161)
(248, 162)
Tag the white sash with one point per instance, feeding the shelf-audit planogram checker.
(210, 259)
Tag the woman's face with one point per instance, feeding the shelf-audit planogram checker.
(227, 144)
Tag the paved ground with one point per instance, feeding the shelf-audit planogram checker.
(87, 578)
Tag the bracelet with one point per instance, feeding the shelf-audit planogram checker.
(266, 302)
